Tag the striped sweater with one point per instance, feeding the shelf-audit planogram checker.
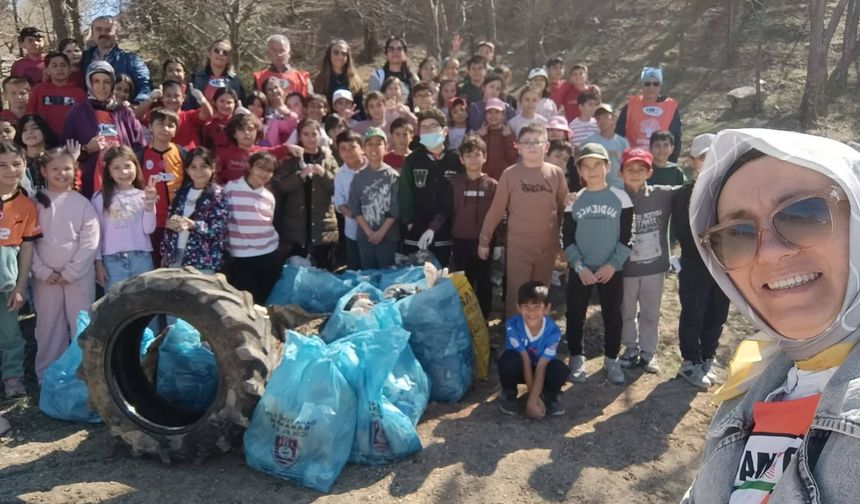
(249, 231)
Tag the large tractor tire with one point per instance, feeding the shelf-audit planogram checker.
(119, 391)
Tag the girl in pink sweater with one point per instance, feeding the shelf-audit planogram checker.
(63, 272)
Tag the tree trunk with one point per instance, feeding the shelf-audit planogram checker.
(75, 11)
(813, 106)
(491, 16)
(371, 42)
(850, 47)
(61, 19)
(17, 20)
(730, 31)
(437, 28)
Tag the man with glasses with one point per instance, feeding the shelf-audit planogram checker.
(704, 307)
(103, 34)
(292, 79)
(425, 189)
(649, 112)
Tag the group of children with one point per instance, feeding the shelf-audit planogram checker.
(463, 172)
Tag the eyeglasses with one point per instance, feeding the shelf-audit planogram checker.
(800, 222)
(651, 84)
(533, 144)
(338, 52)
(395, 48)
(223, 52)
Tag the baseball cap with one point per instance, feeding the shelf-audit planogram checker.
(373, 131)
(605, 107)
(636, 154)
(494, 104)
(558, 123)
(457, 100)
(342, 94)
(30, 31)
(592, 150)
(701, 144)
(538, 72)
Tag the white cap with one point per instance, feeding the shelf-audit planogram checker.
(538, 72)
(701, 144)
(342, 94)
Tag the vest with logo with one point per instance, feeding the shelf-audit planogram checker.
(644, 118)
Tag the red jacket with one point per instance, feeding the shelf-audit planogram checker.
(292, 79)
(233, 160)
(501, 152)
(54, 102)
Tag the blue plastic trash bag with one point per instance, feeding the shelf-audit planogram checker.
(440, 339)
(187, 373)
(407, 386)
(383, 433)
(303, 427)
(410, 274)
(314, 289)
(343, 322)
(63, 395)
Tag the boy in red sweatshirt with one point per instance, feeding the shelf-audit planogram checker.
(499, 139)
(242, 130)
(171, 95)
(54, 99)
(472, 194)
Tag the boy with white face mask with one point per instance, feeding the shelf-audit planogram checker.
(425, 199)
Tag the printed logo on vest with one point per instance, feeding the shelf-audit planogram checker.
(108, 130)
(652, 111)
(218, 83)
(420, 178)
(149, 165)
(285, 84)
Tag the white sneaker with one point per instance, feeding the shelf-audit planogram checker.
(613, 370)
(710, 370)
(577, 368)
(694, 374)
(648, 363)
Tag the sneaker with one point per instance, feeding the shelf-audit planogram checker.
(613, 370)
(577, 368)
(554, 408)
(694, 374)
(649, 364)
(508, 403)
(629, 359)
(14, 387)
(710, 370)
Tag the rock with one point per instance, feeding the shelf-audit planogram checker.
(742, 99)
(4, 426)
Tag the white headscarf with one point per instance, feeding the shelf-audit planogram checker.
(833, 159)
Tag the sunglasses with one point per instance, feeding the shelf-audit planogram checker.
(800, 222)
(395, 48)
(651, 84)
(223, 52)
(338, 52)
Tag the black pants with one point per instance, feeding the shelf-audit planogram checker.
(704, 309)
(465, 258)
(353, 256)
(610, 307)
(443, 253)
(256, 275)
(322, 256)
(510, 366)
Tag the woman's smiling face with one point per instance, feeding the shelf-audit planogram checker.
(798, 292)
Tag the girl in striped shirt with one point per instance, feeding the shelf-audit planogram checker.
(251, 239)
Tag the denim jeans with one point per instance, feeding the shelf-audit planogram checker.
(124, 265)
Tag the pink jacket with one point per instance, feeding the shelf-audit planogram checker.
(70, 237)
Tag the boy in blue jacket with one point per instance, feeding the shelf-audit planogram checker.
(597, 240)
(530, 347)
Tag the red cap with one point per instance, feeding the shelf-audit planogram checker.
(636, 154)
(455, 101)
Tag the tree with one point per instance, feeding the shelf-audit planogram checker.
(65, 18)
(850, 47)
(813, 106)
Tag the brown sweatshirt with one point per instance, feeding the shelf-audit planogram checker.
(472, 199)
(501, 152)
(534, 199)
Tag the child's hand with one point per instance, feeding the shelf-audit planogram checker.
(150, 196)
(15, 300)
(316, 169)
(54, 278)
(604, 273)
(173, 223)
(296, 150)
(157, 93)
(484, 253)
(196, 93)
(587, 277)
(570, 199)
(101, 274)
(73, 147)
(96, 144)
(482, 131)
(375, 237)
(535, 408)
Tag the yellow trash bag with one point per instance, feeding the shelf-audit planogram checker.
(477, 324)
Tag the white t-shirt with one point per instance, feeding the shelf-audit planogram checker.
(190, 203)
(519, 122)
(580, 130)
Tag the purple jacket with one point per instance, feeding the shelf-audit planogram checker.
(81, 125)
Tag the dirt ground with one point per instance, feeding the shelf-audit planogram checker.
(635, 443)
